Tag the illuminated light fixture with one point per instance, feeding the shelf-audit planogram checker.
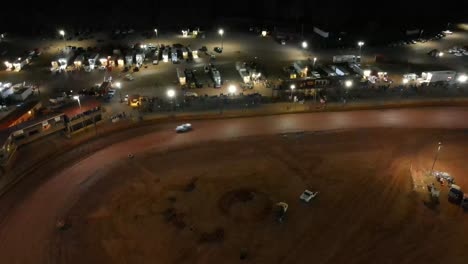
(232, 89)
(171, 93)
(462, 78)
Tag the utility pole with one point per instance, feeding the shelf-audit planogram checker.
(435, 158)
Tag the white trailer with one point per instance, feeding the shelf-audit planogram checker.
(21, 62)
(328, 71)
(120, 61)
(340, 71)
(438, 76)
(346, 59)
(139, 58)
(129, 59)
(165, 55)
(243, 72)
(21, 92)
(92, 60)
(62, 61)
(5, 90)
(356, 69)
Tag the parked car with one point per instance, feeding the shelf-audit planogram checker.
(183, 128)
(307, 196)
(218, 49)
(283, 42)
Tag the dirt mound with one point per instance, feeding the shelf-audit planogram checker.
(245, 205)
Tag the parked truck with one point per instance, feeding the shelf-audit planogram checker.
(438, 76)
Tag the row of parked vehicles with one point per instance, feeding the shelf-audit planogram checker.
(457, 51)
(420, 39)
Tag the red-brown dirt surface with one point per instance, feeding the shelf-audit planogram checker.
(212, 202)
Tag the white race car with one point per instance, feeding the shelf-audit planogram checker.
(183, 128)
(307, 195)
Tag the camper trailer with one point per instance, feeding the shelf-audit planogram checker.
(139, 59)
(61, 61)
(78, 61)
(92, 58)
(165, 55)
(129, 60)
(21, 62)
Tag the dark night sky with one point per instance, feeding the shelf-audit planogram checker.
(145, 13)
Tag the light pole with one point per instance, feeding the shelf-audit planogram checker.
(62, 33)
(77, 98)
(313, 66)
(436, 156)
(292, 87)
(221, 33)
(360, 44)
(171, 94)
(232, 89)
(156, 32)
(119, 85)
